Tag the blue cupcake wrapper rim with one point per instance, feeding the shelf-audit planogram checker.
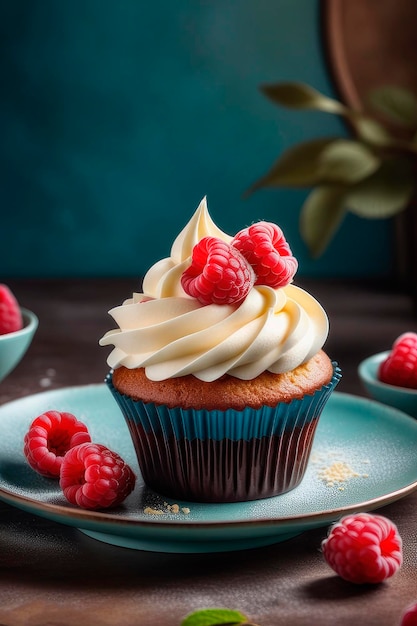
(231, 424)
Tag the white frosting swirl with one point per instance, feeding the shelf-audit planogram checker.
(173, 335)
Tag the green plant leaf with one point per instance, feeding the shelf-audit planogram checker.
(346, 161)
(297, 167)
(370, 131)
(321, 215)
(215, 617)
(385, 193)
(397, 103)
(301, 96)
(320, 161)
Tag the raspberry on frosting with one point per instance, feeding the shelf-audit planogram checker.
(263, 244)
(222, 273)
(218, 273)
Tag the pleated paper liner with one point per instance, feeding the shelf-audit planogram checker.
(224, 456)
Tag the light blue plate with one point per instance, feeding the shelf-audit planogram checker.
(374, 445)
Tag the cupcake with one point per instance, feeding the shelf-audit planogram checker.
(218, 366)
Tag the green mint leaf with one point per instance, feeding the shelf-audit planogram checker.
(214, 617)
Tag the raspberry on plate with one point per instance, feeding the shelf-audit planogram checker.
(10, 314)
(263, 244)
(400, 367)
(409, 617)
(218, 274)
(363, 548)
(94, 477)
(48, 439)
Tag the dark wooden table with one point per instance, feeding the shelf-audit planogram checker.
(53, 575)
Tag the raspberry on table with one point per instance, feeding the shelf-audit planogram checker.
(49, 438)
(363, 548)
(409, 617)
(218, 273)
(400, 367)
(10, 314)
(263, 244)
(94, 477)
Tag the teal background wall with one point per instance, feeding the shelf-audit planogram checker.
(117, 117)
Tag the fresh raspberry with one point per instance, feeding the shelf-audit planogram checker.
(48, 439)
(264, 246)
(10, 314)
(400, 367)
(218, 273)
(363, 548)
(94, 477)
(409, 617)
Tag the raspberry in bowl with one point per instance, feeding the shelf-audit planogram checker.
(390, 377)
(218, 367)
(17, 328)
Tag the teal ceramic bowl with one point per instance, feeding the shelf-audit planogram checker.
(14, 345)
(398, 397)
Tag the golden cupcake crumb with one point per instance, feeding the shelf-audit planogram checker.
(175, 509)
(172, 508)
(150, 511)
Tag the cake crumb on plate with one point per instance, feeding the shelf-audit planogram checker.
(175, 509)
(334, 471)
